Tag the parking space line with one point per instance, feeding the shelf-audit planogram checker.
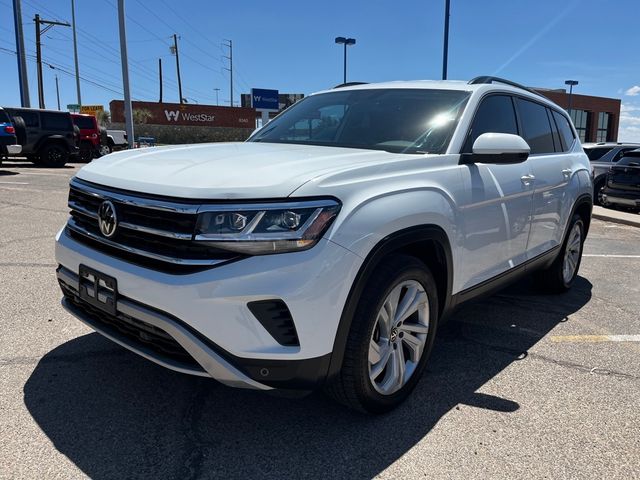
(595, 338)
(15, 183)
(606, 255)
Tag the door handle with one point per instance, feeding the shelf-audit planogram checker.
(566, 172)
(527, 179)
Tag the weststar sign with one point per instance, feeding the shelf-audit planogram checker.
(195, 115)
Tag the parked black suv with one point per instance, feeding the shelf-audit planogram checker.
(47, 137)
(623, 183)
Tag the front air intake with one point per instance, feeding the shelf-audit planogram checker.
(275, 317)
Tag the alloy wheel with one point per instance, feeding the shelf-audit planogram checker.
(572, 253)
(398, 338)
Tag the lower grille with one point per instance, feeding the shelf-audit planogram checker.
(142, 333)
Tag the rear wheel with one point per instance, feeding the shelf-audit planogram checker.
(562, 273)
(391, 337)
(53, 156)
(597, 192)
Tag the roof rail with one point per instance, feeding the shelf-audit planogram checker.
(490, 79)
(350, 84)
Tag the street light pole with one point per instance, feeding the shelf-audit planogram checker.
(128, 113)
(571, 84)
(217, 91)
(346, 42)
(445, 51)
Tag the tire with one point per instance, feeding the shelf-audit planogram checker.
(357, 386)
(554, 279)
(53, 156)
(598, 186)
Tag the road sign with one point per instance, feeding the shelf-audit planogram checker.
(73, 107)
(91, 109)
(264, 100)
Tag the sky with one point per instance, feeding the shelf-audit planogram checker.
(289, 46)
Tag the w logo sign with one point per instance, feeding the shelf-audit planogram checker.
(172, 115)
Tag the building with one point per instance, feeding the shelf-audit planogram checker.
(596, 118)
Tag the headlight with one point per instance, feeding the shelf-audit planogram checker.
(259, 229)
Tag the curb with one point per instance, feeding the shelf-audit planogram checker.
(632, 222)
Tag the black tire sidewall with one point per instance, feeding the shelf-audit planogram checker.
(47, 162)
(560, 262)
(406, 268)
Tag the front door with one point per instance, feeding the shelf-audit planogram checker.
(496, 209)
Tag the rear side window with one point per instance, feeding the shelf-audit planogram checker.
(536, 129)
(30, 118)
(55, 121)
(495, 115)
(4, 118)
(632, 161)
(84, 123)
(566, 132)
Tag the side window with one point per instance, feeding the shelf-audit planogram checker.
(535, 126)
(30, 118)
(495, 115)
(55, 121)
(557, 143)
(566, 132)
(621, 153)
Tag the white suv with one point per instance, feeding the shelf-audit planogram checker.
(326, 250)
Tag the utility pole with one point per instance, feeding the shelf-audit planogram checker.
(229, 44)
(217, 91)
(160, 77)
(49, 24)
(22, 59)
(175, 51)
(128, 114)
(445, 50)
(58, 92)
(75, 50)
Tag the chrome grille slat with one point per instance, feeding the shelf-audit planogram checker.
(149, 232)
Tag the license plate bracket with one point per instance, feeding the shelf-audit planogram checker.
(98, 289)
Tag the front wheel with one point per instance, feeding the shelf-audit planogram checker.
(391, 337)
(562, 273)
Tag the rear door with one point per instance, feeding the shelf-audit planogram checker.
(495, 213)
(625, 175)
(551, 169)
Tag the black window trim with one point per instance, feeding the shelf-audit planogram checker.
(513, 96)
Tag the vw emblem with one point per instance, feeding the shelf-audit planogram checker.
(107, 220)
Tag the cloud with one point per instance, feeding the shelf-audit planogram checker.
(629, 130)
(633, 91)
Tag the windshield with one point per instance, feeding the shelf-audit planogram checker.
(395, 120)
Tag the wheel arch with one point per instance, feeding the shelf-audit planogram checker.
(430, 244)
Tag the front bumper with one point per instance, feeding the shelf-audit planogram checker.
(206, 313)
(625, 198)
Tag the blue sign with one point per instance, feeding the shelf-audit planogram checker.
(262, 99)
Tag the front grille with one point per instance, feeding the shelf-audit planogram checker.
(153, 232)
(141, 333)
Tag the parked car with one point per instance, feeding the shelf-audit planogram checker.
(602, 155)
(117, 140)
(326, 250)
(49, 138)
(622, 188)
(90, 136)
(8, 140)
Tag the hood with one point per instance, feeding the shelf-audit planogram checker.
(224, 170)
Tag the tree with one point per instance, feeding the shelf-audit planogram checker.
(141, 116)
(103, 117)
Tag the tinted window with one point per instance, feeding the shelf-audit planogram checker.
(557, 143)
(633, 161)
(55, 121)
(622, 153)
(84, 123)
(565, 130)
(4, 118)
(597, 152)
(395, 120)
(536, 129)
(495, 115)
(30, 118)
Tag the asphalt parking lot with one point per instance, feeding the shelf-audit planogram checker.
(520, 385)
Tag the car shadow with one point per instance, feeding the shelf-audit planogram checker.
(116, 415)
(7, 173)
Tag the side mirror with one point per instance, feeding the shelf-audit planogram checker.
(498, 148)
